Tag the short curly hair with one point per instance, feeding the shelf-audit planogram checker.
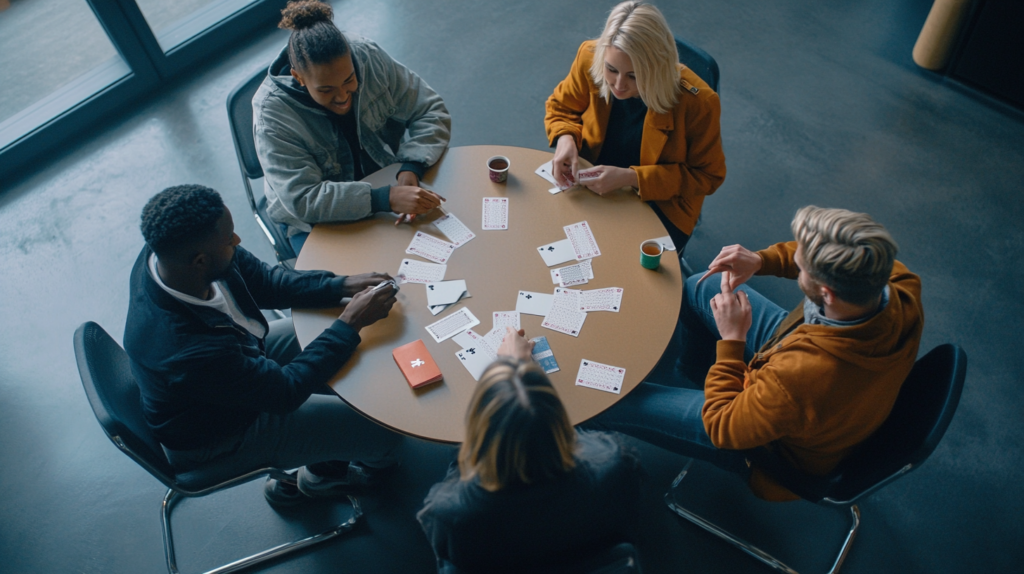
(180, 215)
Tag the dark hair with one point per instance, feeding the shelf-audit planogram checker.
(315, 39)
(180, 215)
(517, 430)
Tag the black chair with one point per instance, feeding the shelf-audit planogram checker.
(699, 61)
(919, 418)
(240, 119)
(621, 558)
(115, 399)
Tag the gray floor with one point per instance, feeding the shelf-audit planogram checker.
(821, 104)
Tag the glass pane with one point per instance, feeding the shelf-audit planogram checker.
(53, 54)
(174, 22)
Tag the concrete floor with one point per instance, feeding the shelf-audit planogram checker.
(821, 104)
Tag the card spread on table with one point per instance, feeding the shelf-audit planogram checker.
(666, 242)
(438, 308)
(557, 252)
(545, 171)
(413, 271)
(533, 303)
(583, 242)
(506, 318)
(584, 267)
(470, 338)
(565, 316)
(453, 324)
(494, 337)
(607, 299)
(430, 247)
(543, 355)
(495, 213)
(445, 292)
(416, 364)
(454, 230)
(476, 360)
(599, 376)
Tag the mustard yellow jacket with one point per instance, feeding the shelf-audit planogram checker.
(681, 159)
(818, 391)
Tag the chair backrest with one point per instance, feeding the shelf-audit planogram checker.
(115, 399)
(922, 413)
(240, 118)
(699, 61)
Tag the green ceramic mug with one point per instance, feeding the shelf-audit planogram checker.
(650, 254)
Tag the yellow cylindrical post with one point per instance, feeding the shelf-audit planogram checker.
(935, 42)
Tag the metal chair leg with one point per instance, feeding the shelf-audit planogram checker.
(165, 515)
(750, 549)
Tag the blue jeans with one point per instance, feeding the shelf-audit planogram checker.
(323, 429)
(670, 416)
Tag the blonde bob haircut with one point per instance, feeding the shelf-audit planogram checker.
(641, 32)
(517, 430)
(848, 252)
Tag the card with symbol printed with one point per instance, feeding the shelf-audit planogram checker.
(584, 244)
(577, 274)
(533, 303)
(557, 252)
(413, 271)
(416, 364)
(543, 355)
(453, 324)
(599, 376)
(495, 215)
(505, 318)
(476, 360)
(430, 247)
(470, 338)
(445, 292)
(565, 316)
(454, 229)
(607, 299)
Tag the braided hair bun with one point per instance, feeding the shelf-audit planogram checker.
(304, 14)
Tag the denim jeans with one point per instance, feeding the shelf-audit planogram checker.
(323, 429)
(670, 416)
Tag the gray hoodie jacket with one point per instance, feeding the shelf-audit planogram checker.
(308, 166)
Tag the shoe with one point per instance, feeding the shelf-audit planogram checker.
(357, 477)
(282, 493)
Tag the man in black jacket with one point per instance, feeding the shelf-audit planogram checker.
(220, 385)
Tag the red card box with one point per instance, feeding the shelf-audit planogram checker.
(416, 364)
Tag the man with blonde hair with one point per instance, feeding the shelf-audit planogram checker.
(810, 384)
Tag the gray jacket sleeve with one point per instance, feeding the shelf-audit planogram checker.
(423, 112)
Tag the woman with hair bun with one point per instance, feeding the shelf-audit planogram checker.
(333, 110)
(645, 120)
(528, 490)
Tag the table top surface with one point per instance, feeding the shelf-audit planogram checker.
(496, 265)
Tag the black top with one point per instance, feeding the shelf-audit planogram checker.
(522, 527)
(621, 147)
(203, 378)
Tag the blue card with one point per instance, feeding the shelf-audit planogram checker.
(543, 355)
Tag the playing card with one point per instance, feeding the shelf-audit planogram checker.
(571, 275)
(494, 337)
(470, 338)
(557, 252)
(584, 245)
(453, 324)
(587, 176)
(506, 318)
(532, 303)
(583, 267)
(476, 360)
(413, 271)
(495, 213)
(543, 355)
(545, 171)
(599, 376)
(555, 190)
(454, 229)
(565, 316)
(430, 247)
(666, 242)
(445, 292)
(607, 299)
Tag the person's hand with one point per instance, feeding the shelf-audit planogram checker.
(611, 179)
(412, 200)
(515, 345)
(356, 283)
(566, 162)
(731, 311)
(740, 262)
(369, 306)
(407, 178)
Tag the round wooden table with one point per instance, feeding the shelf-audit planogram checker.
(496, 265)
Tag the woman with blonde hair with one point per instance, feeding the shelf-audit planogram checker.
(528, 490)
(643, 119)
